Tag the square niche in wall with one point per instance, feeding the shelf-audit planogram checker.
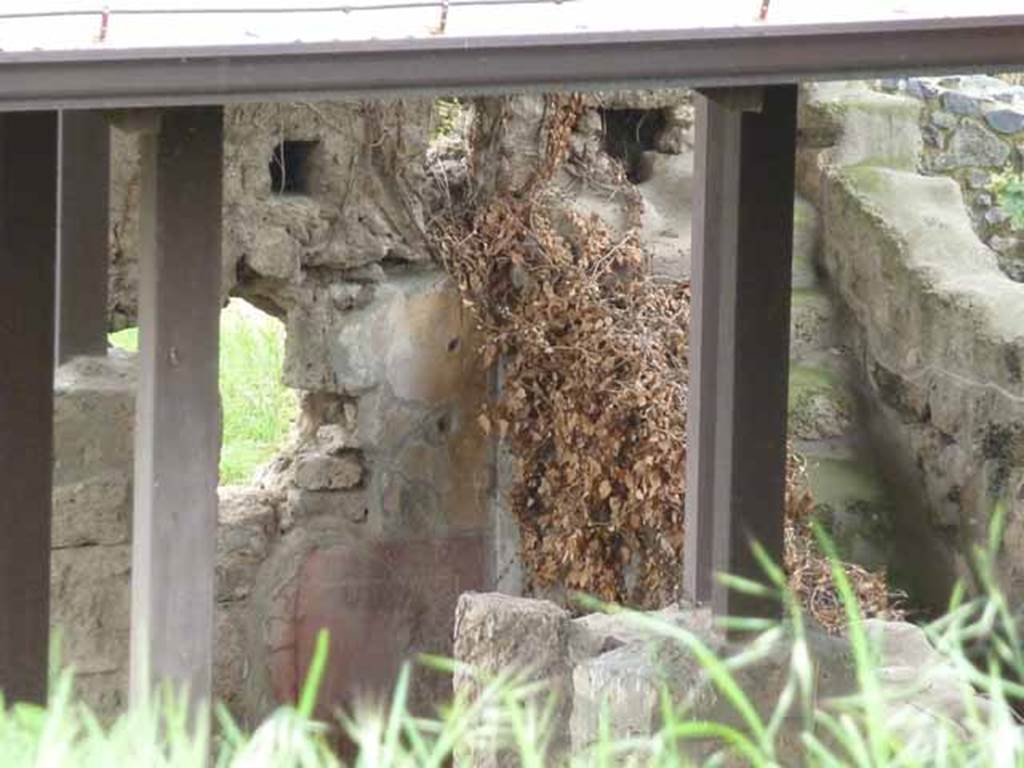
(293, 166)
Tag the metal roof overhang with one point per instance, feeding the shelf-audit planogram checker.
(697, 57)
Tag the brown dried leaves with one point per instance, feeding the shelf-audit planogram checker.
(593, 400)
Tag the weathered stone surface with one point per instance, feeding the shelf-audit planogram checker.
(943, 120)
(856, 508)
(94, 417)
(417, 422)
(978, 178)
(667, 213)
(902, 252)
(922, 88)
(960, 103)
(806, 239)
(89, 614)
(271, 252)
(1007, 120)
(247, 522)
(597, 633)
(92, 496)
(336, 438)
(232, 658)
(812, 324)
(319, 472)
(352, 506)
(861, 126)
(623, 687)
(973, 146)
(495, 633)
(125, 189)
(93, 511)
(357, 207)
(382, 602)
(620, 672)
(508, 149)
(819, 404)
(394, 340)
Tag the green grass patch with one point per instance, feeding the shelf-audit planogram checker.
(259, 409)
(960, 712)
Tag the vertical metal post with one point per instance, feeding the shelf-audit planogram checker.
(28, 241)
(177, 415)
(82, 251)
(716, 173)
(742, 251)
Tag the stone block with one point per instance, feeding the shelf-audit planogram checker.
(597, 633)
(922, 88)
(871, 128)
(1008, 120)
(270, 252)
(973, 146)
(90, 608)
(621, 687)
(961, 103)
(496, 633)
(320, 472)
(96, 510)
(94, 417)
(943, 120)
(334, 439)
(246, 527)
(351, 506)
(978, 179)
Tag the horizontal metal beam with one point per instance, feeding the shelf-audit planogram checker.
(700, 58)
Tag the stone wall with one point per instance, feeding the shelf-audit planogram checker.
(932, 322)
(379, 514)
(94, 407)
(389, 502)
(972, 128)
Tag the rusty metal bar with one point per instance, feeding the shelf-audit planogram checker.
(28, 242)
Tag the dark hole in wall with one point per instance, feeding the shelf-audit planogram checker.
(629, 133)
(291, 167)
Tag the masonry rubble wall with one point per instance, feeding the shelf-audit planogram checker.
(972, 129)
(378, 515)
(390, 501)
(929, 311)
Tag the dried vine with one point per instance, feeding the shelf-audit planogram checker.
(593, 404)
